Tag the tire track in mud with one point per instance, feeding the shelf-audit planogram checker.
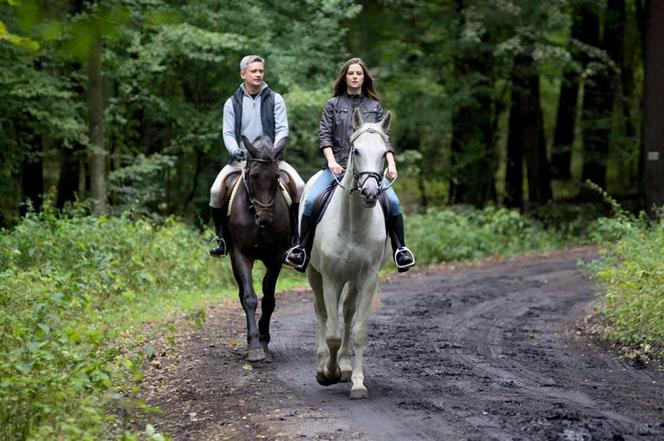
(475, 353)
(484, 353)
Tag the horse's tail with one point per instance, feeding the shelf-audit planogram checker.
(376, 303)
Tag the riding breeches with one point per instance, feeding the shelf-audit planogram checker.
(326, 179)
(234, 167)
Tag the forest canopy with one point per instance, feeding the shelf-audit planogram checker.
(513, 103)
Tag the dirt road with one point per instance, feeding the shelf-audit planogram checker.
(491, 352)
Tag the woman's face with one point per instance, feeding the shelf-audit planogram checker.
(354, 78)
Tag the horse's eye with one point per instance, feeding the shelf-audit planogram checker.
(356, 152)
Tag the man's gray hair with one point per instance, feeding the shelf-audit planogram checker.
(246, 61)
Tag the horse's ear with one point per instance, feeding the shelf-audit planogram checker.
(250, 147)
(385, 123)
(281, 145)
(357, 119)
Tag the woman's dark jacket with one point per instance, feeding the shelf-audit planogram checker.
(336, 123)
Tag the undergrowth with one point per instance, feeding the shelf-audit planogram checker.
(75, 288)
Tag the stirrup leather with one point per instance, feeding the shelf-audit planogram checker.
(402, 250)
(289, 256)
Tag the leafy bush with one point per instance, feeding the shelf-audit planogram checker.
(631, 274)
(64, 283)
(449, 235)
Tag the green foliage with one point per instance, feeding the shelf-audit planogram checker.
(66, 284)
(467, 234)
(631, 274)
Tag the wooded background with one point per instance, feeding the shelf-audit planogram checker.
(514, 103)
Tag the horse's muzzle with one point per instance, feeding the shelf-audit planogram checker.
(263, 219)
(369, 197)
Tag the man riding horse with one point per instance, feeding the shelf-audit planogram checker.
(253, 110)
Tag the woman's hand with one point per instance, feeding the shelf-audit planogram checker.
(391, 171)
(332, 163)
(335, 167)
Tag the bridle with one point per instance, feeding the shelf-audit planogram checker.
(255, 204)
(361, 178)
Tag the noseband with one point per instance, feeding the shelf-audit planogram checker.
(254, 203)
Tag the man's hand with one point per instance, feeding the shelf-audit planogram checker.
(239, 156)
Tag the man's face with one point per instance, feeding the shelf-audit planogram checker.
(253, 75)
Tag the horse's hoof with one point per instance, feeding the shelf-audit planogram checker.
(345, 376)
(325, 381)
(268, 354)
(256, 355)
(358, 392)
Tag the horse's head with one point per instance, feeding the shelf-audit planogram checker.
(261, 176)
(367, 159)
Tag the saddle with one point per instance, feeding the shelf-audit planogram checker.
(233, 180)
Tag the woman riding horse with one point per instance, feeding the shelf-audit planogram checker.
(353, 89)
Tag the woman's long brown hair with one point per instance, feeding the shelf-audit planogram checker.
(341, 88)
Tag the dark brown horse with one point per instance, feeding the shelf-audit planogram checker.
(259, 230)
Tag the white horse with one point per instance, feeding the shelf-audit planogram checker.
(350, 245)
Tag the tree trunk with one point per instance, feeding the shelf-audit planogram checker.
(600, 93)
(32, 179)
(563, 139)
(69, 177)
(526, 137)
(97, 157)
(653, 128)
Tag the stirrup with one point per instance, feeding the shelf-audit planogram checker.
(401, 250)
(290, 255)
(214, 246)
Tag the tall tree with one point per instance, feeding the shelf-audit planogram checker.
(97, 156)
(563, 140)
(600, 90)
(526, 137)
(473, 144)
(653, 122)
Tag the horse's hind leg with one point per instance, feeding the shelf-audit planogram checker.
(242, 272)
(267, 306)
(349, 304)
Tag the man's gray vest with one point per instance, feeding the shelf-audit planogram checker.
(267, 113)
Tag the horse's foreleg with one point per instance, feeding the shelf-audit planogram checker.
(242, 271)
(331, 294)
(322, 351)
(267, 306)
(345, 354)
(360, 333)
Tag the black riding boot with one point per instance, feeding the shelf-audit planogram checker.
(219, 218)
(403, 257)
(298, 256)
